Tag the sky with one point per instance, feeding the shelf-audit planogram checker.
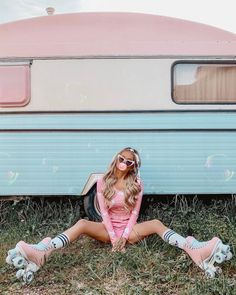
(219, 13)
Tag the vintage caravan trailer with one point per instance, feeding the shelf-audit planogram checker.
(76, 88)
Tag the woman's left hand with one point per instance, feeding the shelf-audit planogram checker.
(119, 245)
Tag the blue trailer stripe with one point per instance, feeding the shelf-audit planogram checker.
(47, 163)
(121, 121)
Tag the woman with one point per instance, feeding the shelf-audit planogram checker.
(119, 194)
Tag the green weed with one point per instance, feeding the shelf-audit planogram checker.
(89, 267)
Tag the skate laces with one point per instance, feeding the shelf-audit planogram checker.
(197, 245)
(40, 246)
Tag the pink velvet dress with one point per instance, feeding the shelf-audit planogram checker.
(117, 220)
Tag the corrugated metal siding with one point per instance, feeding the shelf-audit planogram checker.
(182, 159)
(158, 120)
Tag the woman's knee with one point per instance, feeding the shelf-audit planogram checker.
(82, 223)
(157, 222)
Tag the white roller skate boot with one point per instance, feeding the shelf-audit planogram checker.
(29, 258)
(205, 254)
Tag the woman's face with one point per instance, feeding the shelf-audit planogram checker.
(125, 161)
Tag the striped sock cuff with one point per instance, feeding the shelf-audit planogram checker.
(64, 239)
(167, 234)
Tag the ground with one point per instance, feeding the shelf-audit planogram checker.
(89, 267)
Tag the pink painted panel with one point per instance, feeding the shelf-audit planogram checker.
(14, 85)
(112, 34)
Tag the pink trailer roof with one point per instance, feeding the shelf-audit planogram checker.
(112, 34)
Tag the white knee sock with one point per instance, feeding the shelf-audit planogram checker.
(59, 241)
(173, 238)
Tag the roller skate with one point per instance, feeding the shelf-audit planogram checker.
(28, 258)
(206, 254)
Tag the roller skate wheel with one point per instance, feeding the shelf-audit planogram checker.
(28, 277)
(33, 267)
(12, 252)
(20, 273)
(8, 260)
(218, 270)
(229, 255)
(225, 249)
(210, 273)
(219, 257)
(18, 262)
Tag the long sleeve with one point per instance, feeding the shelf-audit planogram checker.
(134, 215)
(104, 212)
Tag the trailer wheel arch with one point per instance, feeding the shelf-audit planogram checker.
(91, 206)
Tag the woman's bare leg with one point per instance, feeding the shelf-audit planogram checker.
(155, 226)
(146, 228)
(92, 229)
(39, 253)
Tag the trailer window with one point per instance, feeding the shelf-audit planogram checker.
(14, 85)
(204, 83)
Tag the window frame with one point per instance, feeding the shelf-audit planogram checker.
(210, 62)
(28, 89)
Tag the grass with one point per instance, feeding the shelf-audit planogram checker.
(89, 267)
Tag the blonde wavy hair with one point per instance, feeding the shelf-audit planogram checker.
(132, 186)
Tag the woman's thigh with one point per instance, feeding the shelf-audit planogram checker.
(96, 230)
(146, 228)
(92, 229)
